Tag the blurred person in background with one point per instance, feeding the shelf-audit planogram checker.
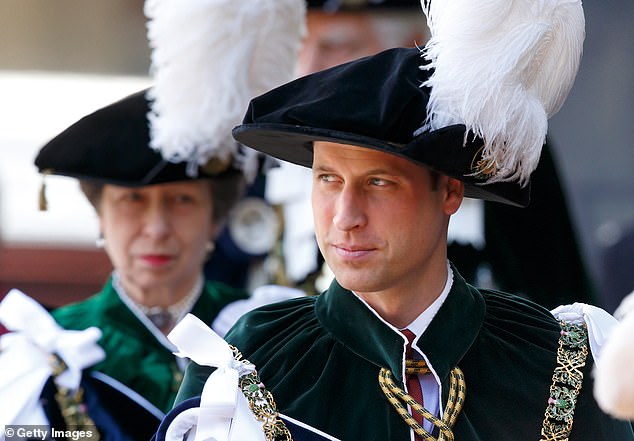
(484, 239)
(162, 171)
(158, 225)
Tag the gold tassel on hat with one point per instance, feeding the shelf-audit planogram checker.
(42, 202)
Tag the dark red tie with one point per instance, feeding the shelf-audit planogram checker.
(413, 383)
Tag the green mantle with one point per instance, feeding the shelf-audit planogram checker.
(320, 357)
(133, 354)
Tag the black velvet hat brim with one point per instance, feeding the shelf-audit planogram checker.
(443, 151)
(378, 102)
(112, 145)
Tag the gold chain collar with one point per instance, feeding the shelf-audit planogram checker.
(566, 382)
(262, 403)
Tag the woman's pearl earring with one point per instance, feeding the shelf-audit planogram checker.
(101, 241)
(210, 246)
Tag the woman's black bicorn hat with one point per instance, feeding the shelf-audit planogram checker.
(111, 145)
(180, 128)
(448, 106)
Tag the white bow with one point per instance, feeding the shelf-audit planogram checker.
(25, 357)
(224, 413)
(600, 323)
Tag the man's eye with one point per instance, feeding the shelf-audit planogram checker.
(326, 178)
(132, 196)
(378, 182)
(184, 199)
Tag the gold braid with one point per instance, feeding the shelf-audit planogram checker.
(397, 396)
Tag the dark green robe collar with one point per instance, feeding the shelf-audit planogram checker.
(357, 327)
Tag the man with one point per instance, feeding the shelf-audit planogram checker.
(338, 31)
(483, 237)
(399, 334)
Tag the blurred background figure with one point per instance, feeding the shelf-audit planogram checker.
(162, 172)
(158, 224)
(484, 237)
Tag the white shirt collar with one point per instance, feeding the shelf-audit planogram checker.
(419, 325)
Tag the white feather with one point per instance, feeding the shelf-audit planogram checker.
(502, 68)
(209, 58)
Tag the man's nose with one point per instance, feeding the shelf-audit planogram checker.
(349, 210)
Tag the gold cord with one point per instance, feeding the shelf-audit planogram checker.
(397, 396)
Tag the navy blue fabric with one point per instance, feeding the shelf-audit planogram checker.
(299, 433)
(117, 417)
(169, 418)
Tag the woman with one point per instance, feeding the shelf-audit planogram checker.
(162, 171)
(157, 226)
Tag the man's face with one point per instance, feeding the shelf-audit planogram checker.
(380, 220)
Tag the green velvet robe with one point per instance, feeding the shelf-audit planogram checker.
(320, 357)
(133, 354)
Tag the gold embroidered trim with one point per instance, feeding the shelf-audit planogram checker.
(397, 396)
(71, 404)
(262, 404)
(567, 382)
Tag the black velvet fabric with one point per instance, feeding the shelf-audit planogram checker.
(111, 145)
(321, 356)
(535, 251)
(375, 102)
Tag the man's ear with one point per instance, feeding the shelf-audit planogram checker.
(454, 195)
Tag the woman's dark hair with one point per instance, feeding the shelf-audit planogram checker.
(226, 189)
(92, 190)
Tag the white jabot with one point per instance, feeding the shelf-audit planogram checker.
(600, 323)
(224, 413)
(25, 352)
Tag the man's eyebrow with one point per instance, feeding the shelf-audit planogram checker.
(322, 168)
(374, 171)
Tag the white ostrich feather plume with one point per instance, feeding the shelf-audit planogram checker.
(502, 68)
(209, 58)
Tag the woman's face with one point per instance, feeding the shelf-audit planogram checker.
(156, 236)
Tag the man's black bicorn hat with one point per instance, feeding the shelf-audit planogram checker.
(375, 102)
(472, 104)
